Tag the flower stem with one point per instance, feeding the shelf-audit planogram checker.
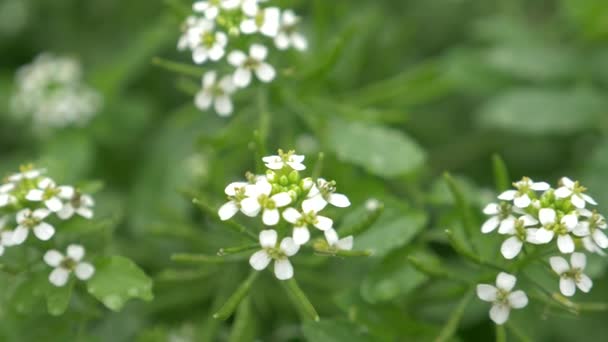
(450, 328)
(231, 304)
(302, 303)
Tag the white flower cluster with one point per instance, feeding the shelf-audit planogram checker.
(537, 214)
(283, 193)
(30, 202)
(51, 93)
(208, 33)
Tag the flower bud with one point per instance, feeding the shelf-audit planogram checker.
(306, 183)
(284, 180)
(294, 176)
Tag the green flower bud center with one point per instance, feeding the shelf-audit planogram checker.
(68, 263)
(276, 253)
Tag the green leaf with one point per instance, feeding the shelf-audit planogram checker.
(333, 330)
(382, 151)
(58, 298)
(118, 279)
(536, 111)
(451, 326)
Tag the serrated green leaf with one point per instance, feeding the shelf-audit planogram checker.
(118, 279)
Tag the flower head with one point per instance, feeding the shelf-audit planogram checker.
(575, 192)
(51, 194)
(263, 20)
(78, 203)
(205, 43)
(236, 192)
(553, 225)
(502, 297)
(525, 188)
(289, 159)
(64, 265)
(260, 198)
(501, 216)
(6, 196)
(301, 221)
(32, 220)
(287, 35)
(322, 193)
(511, 247)
(254, 62)
(283, 269)
(216, 92)
(345, 244)
(571, 275)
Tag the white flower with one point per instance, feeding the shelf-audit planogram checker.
(288, 159)
(216, 93)
(345, 244)
(575, 191)
(186, 40)
(502, 297)
(51, 194)
(32, 220)
(301, 235)
(591, 230)
(288, 36)
(64, 265)
(572, 276)
(235, 192)
(26, 174)
(265, 21)
(5, 236)
(210, 8)
(254, 62)
(521, 196)
(258, 198)
(79, 204)
(321, 194)
(283, 269)
(502, 216)
(511, 247)
(6, 197)
(551, 226)
(205, 43)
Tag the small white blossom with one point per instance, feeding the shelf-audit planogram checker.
(511, 247)
(235, 192)
(79, 204)
(206, 44)
(288, 36)
(571, 276)
(6, 197)
(255, 62)
(321, 194)
(5, 236)
(345, 244)
(591, 230)
(64, 265)
(258, 198)
(26, 174)
(266, 21)
(217, 93)
(51, 194)
(32, 220)
(186, 40)
(575, 192)
(502, 297)
(502, 216)
(289, 159)
(521, 197)
(301, 235)
(209, 8)
(283, 269)
(551, 226)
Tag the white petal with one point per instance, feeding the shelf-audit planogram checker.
(19, 235)
(547, 216)
(22, 215)
(263, 186)
(490, 225)
(200, 6)
(203, 99)
(339, 200)
(281, 199)
(299, 41)
(522, 201)
(237, 58)
(271, 24)
(507, 226)
(543, 236)
(291, 215)
(268, 238)
(265, 72)
(570, 221)
(44, 231)
(281, 41)
(59, 276)
(283, 269)
(331, 236)
(323, 223)
(223, 105)
(589, 199)
(66, 192)
(296, 166)
(577, 201)
(46, 183)
(53, 258)
(250, 206)
(584, 283)
(211, 13)
(581, 229)
(40, 214)
(271, 217)
(228, 210)
(242, 77)
(35, 195)
(578, 260)
(258, 52)
(259, 260)
(301, 235)
(540, 186)
(563, 192)
(85, 212)
(567, 286)
(84, 271)
(199, 55)
(559, 264)
(518, 299)
(486, 292)
(314, 204)
(250, 7)
(499, 313)
(216, 52)
(491, 209)
(508, 195)
(565, 244)
(528, 220)
(76, 252)
(567, 182)
(511, 247)
(600, 238)
(66, 212)
(346, 244)
(248, 26)
(505, 281)
(54, 204)
(289, 246)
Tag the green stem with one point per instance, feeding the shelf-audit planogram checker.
(235, 250)
(230, 224)
(302, 303)
(177, 67)
(206, 259)
(501, 334)
(231, 304)
(451, 326)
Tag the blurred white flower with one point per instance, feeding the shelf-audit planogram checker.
(236, 193)
(575, 192)
(287, 35)
(511, 247)
(345, 244)
(322, 193)
(205, 43)
(32, 220)
(80, 204)
(64, 265)
(571, 276)
(51, 194)
(591, 230)
(216, 93)
(562, 228)
(301, 235)
(283, 269)
(258, 199)
(263, 20)
(5, 236)
(209, 8)
(289, 159)
(245, 65)
(26, 173)
(521, 196)
(501, 216)
(6, 196)
(502, 297)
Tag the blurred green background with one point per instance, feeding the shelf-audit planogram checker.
(394, 92)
